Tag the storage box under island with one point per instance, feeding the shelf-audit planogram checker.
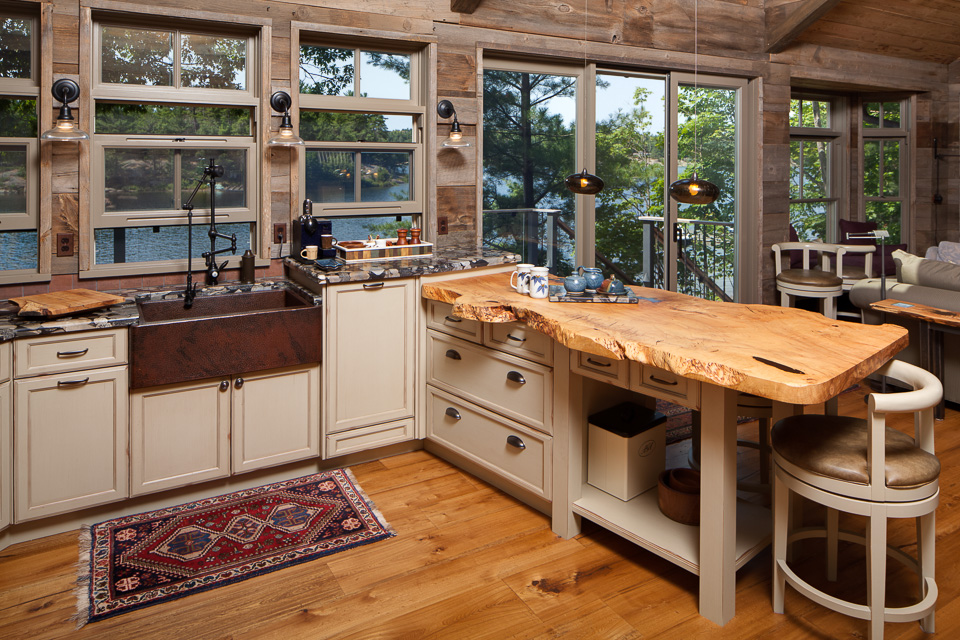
(627, 446)
(381, 249)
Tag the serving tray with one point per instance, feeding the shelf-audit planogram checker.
(559, 294)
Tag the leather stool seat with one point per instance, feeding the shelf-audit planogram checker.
(836, 447)
(809, 278)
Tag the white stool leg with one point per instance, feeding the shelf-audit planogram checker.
(784, 299)
(830, 307)
(833, 540)
(926, 551)
(781, 518)
(876, 570)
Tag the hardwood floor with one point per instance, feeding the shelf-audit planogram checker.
(471, 562)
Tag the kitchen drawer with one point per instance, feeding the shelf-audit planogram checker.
(64, 352)
(509, 449)
(364, 438)
(659, 383)
(508, 385)
(6, 361)
(440, 317)
(601, 368)
(520, 340)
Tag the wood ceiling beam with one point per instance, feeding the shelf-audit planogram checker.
(787, 20)
(464, 6)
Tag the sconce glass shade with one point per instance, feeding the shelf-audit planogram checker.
(280, 101)
(455, 139)
(584, 182)
(65, 129)
(694, 191)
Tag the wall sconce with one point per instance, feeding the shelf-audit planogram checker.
(65, 129)
(280, 101)
(455, 139)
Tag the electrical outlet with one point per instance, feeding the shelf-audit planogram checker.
(442, 226)
(64, 245)
(279, 232)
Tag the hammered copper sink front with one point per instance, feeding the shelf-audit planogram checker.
(222, 335)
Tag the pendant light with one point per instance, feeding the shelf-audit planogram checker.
(694, 190)
(280, 102)
(584, 183)
(65, 130)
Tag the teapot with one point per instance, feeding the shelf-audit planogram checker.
(593, 276)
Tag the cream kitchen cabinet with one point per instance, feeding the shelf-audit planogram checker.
(70, 422)
(370, 339)
(196, 431)
(6, 437)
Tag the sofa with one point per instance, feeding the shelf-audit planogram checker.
(929, 281)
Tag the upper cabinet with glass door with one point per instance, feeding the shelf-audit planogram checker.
(19, 162)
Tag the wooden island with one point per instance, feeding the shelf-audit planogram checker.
(791, 356)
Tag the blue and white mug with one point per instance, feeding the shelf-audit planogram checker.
(539, 282)
(522, 276)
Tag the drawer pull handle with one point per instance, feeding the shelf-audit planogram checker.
(515, 441)
(453, 355)
(371, 287)
(72, 383)
(510, 336)
(453, 319)
(670, 383)
(224, 385)
(453, 413)
(72, 354)
(598, 363)
(238, 383)
(516, 376)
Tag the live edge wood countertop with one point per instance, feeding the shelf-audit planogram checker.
(789, 355)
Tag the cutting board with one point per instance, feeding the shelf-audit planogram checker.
(61, 303)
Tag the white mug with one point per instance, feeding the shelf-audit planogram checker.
(539, 282)
(522, 274)
(309, 252)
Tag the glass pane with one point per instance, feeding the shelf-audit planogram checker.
(529, 147)
(816, 169)
(330, 175)
(335, 126)
(18, 250)
(18, 118)
(887, 216)
(384, 75)
(385, 177)
(138, 179)
(809, 220)
(172, 120)
(136, 56)
(326, 71)
(810, 114)
(13, 179)
(820, 112)
(707, 144)
(147, 244)
(15, 41)
(891, 115)
(796, 173)
(871, 115)
(891, 168)
(871, 168)
(632, 162)
(231, 187)
(360, 228)
(213, 62)
(796, 113)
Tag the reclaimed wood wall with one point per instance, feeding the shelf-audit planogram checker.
(644, 34)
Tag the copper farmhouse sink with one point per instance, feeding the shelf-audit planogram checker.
(222, 335)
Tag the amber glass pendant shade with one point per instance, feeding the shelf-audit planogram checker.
(584, 182)
(694, 191)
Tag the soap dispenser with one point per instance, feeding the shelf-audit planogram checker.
(247, 268)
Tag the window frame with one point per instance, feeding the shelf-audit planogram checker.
(902, 134)
(834, 135)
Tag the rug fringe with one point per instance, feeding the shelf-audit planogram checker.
(370, 503)
(82, 588)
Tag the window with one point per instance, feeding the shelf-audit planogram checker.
(167, 101)
(361, 114)
(884, 157)
(18, 147)
(814, 144)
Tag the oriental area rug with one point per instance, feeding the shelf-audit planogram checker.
(140, 560)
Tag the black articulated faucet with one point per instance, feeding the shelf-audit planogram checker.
(210, 174)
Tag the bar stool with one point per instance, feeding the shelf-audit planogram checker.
(807, 282)
(839, 462)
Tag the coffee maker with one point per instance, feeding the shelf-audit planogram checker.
(307, 231)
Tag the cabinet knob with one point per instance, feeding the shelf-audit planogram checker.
(516, 376)
(453, 413)
(515, 441)
(453, 354)
(224, 385)
(238, 383)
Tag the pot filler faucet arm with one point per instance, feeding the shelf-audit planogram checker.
(210, 174)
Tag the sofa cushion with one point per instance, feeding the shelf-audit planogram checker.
(949, 252)
(913, 269)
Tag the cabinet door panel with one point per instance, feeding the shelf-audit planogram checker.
(370, 362)
(179, 435)
(70, 434)
(6, 455)
(276, 417)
